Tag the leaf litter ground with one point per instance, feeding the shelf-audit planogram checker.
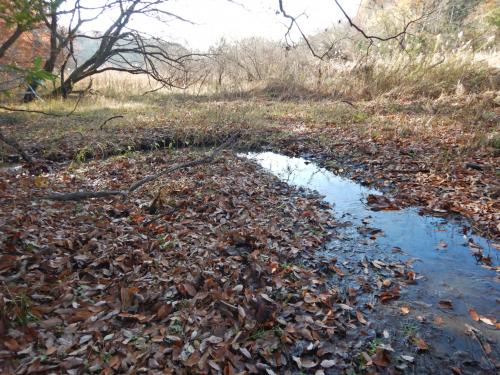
(211, 270)
(208, 279)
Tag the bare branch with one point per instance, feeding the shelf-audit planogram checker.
(82, 195)
(108, 120)
(376, 37)
(370, 37)
(54, 114)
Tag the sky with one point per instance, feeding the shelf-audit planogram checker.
(216, 19)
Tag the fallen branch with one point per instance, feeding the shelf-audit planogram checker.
(108, 120)
(409, 171)
(54, 114)
(12, 143)
(348, 103)
(82, 195)
(155, 219)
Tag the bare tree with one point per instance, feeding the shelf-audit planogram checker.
(293, 22)
(119, 48)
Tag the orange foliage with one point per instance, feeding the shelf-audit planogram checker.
(29, 45)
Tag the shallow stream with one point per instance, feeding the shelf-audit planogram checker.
(440, 249)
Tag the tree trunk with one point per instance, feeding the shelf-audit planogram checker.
(50, 64)
(9, 42)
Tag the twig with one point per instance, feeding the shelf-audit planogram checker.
(193, 163)
(109, 119)
(54, 114)
(376, 37)
(473, 331)
(155, 219)
(348, 103)
(82, 195)
(11, 109)
(232, 307)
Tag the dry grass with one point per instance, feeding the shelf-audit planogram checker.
(160, 120)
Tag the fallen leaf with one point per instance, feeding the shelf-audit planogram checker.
(421, 344)
(474, 315)
(11, 344)
(381, 358)
(438, 320)
(442, 244)
(327, 363)
(445, 304)
(360, 317)
(489, 321)
(405, 310)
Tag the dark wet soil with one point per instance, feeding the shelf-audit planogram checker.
(448, 279)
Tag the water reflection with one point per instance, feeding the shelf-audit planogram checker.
(446, 261)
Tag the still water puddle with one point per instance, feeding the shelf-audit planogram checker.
(443, 257)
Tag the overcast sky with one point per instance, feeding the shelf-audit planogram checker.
(215, 19)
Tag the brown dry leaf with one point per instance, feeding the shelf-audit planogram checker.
(127, 296)
(381, 203)
(164, 311)
(389, 294)
(80, 315)
(405, 310)
(40, 181)
(114, 362)
(337, 270)
(7, 261)
(445, 304)
(51, 350)
(367, 359)
(438, 320)
(487, 348)
(11, 344)
(473, 314)
(304, 363)
(381, 358)
(264, 311)
(187, 289)
(215, 339)
(360, 317)
(193, 359)
(421, 344)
